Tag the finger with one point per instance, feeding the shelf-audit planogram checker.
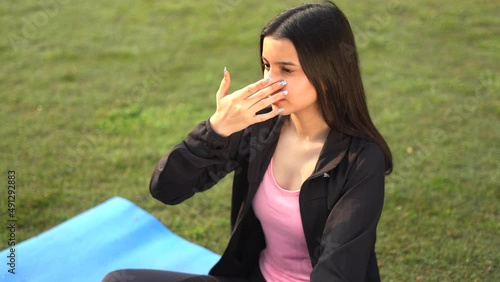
(254, 87)
(269, 90)
(266, 102)
(224, 85)
(269, 115)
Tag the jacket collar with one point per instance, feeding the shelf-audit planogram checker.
(332, 153)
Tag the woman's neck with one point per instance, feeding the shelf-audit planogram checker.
(309, 126)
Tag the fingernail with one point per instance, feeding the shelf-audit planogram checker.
(280, 110)
(285, 92)
(268, 79)
(282, 82)
(225, 69)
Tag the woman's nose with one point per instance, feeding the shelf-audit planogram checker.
(272, 77)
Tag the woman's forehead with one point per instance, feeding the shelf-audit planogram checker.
(279, 50)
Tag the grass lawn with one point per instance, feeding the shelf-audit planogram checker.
(93, 93)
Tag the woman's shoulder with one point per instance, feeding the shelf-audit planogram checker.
(364, 145)
(366, 151)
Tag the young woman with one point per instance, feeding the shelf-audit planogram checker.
(309, 163)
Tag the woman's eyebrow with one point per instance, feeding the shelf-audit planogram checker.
(284, 63)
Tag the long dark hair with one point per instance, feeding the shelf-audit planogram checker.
(327, 52)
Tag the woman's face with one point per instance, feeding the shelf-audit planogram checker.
(281, 62)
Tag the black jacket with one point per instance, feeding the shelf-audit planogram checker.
(340, 203)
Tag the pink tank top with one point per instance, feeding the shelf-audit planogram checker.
(285, 257)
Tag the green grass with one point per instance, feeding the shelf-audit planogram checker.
(94, 93)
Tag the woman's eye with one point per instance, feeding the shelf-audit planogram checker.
(267, 67)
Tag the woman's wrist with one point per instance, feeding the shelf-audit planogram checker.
(215, 126)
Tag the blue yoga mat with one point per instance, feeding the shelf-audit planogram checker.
(113, 235)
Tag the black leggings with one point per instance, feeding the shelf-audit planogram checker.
(148, 275)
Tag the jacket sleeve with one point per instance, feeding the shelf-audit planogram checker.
(194, 165)
(348, 242)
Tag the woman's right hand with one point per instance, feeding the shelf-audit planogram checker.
(238, 110)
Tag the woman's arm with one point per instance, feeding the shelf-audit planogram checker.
(348, 242)
(208, 152)
(194, 165)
